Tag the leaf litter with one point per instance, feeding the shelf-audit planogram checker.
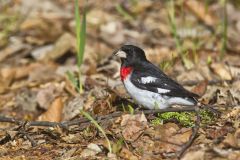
(36, 54)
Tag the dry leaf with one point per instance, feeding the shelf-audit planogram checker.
(19, 72)
(54, 112)
(133, 126)
(218, 133)
(62, 45)
(157, 55)
(112, 32)
(221, 70)
(40, 52)
(112, 156)
(168, 137)
(190, 76)
(226, 153)
(46, 69)
(201, 88)
(37, 27)
(46, 95)
(198, 8)
(126, 154)
(67, 154)
(6, 78)
(235, 71)
(13, 48)
(26, 99)
(194, 155)
(73, 107)
(103, 106)
(232, 140)
(91, 150)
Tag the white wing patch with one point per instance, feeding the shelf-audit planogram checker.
(152, 100)
(148, 79)
(160, 90)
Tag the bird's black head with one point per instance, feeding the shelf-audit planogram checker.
(130, 55)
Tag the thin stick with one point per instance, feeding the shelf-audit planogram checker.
(24, 133)
(193, 136)
(82, 120)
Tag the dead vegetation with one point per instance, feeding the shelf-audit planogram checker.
(41, 75)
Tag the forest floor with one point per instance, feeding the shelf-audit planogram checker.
(194, 42)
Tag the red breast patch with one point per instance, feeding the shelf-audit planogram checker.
(124, 72)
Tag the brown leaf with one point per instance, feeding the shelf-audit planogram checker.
(103, 106)
(46, 95)
(221, 70)
(126, 154)
(230, 140)
(218, 133)
(26, 99)
(19, 72)
(36, 28)
(73, 107)
(62, 45)
(91, 150)
(201, 88)
(168, 137)
(133, 126)
(181, 137)
(157, 55)
(194, 155)
(54, 112)
(46, 69)
(12, 49)
(6, 77)
(198, 8)
(190, 76)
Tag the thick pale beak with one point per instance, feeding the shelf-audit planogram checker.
(121, 54)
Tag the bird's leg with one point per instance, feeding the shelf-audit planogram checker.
(209, 108)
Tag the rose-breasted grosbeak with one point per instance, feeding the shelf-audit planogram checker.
(147, 84)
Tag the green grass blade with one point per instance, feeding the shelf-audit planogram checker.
(77, 20)
(131, 110)
(89, 117)
(81, 33)
(72, 79)
(224, 30)
(124, 13)
(82, 38)
(171, 18)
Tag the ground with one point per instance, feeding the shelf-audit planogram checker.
(45, 115)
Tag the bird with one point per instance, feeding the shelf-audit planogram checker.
(147, 84)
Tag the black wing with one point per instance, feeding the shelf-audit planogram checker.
(161, 84)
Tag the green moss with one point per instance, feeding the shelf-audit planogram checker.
(157, 121)
(207, 117)
(184, 118)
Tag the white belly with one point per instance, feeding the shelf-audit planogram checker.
(150, 99)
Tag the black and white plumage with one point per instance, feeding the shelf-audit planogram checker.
(147, 84)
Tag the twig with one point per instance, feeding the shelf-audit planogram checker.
(9, 120)
(83, 122)
(193, 136)
(33, 142)
(80, 121)
(24, 133)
